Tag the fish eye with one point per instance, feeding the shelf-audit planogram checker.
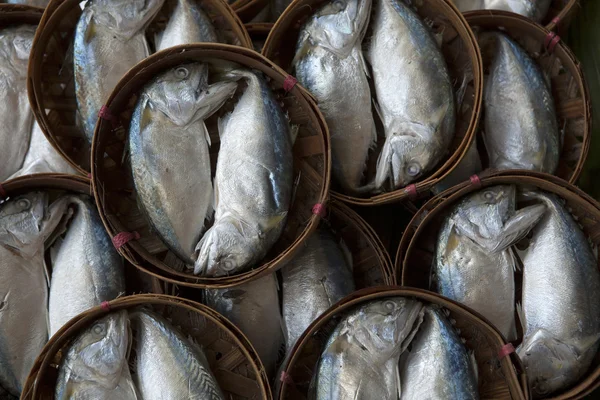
(228, 265)
(24, 204)
(340, 5)
(181, 73)
(413, 169)
(98, 329)
(389, 305)
(488, 195)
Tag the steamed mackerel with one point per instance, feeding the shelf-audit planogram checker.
(329, 63)
(168, 366)
(317, 277)
(360, 359)
(109, 40)
(16, 118)
(414, 94)
(253, 182)
(474, 263)
(95, 366)
(168, 145)
(86, 268)
(532, 9)
(254, 308)
(561, 301)
(437, 365)
(188, 24)
(521, 132)
(26, 223)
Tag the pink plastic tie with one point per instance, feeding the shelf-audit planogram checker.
(289, 83)
(89, 175)
(506, 350)
(555, 20)
(411, 191)
(122, 238)
(319, 209)
(2, 192)
(475, 181)
(108, 116)
(105, 305)
(286, 378)
(550, 42)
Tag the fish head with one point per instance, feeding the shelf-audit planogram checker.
(100, 352)
(125, 17)
(184, 95)
(225, 249)
(21, 220)
(340, 24)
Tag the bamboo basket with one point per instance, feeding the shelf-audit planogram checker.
(464, 62)
(16, 14)
(51, 86)
(113, 185)
(258, 32)
(232, 358)
(417, 247)
(570, 92)
(498, 379)
(248, 9)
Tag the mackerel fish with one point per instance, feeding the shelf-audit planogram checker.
(532, 9)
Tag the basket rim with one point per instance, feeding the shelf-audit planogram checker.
(48, 180)
(212, 51)
(76, 324)
(448, 166)
(565, 13)
(511, 366)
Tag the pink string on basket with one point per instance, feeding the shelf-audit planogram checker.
(105, 305)
(105, 114)
(506, 350)
(475, 181)
(289, 83)
(550, 42)
(286, 378)
(121, 238)
(411, 191)
(320, 210)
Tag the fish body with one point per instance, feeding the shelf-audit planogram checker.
(474, 263)
(26, 222)
(95, 366)
(188, 24)
(253, 182)
(168, 145)
(532, 9)
(254, 308)
(360, 358)
(437, 365)
(520, 132)
(414, 95)
(168, 366)
(86, 269)
(15, 114)
(329, 63)
(317, 277)
(561, 302)
(109, 40)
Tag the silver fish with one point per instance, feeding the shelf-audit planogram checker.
(561, 302)
(414, 95)
(95, 366)
(35, 3)
(520, 132)
(316, 278)
(533, 9)
(109, 40)
(86, 268)
(168, 366)
(168, 145)
(253, 182)
(474, 263)
(188, 24)
(16, 118)
(329, 63)
(467, 167)
(254, 308)
(360, 359)
(437, 365)
(26, 223)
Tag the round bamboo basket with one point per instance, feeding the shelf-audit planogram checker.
(51, 86)
(113, 185)
(16, 14)
(417, 246)
(569, 89)
(498, 379)
(232, 358)
(464, 63)
(258, 33)
(248, 9)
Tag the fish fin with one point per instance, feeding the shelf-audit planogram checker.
(518, 226)
(294, 129)
(157, 39)
(347, 254)
(222, 124)
(460, 93)
(206, 134)
(398, 382)
(302, 51)
(377, 111)
(90, 28)
(473, 361)
(363, 64)
(146, 117)
(521, 315)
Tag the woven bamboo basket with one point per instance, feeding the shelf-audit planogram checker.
(464, 62)
(113, 185)
(248, 9)
(15, 14)
(417, 246)
(498, 379)
(51, 85)
(258, 33)
(232, 358)
(570, 92)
